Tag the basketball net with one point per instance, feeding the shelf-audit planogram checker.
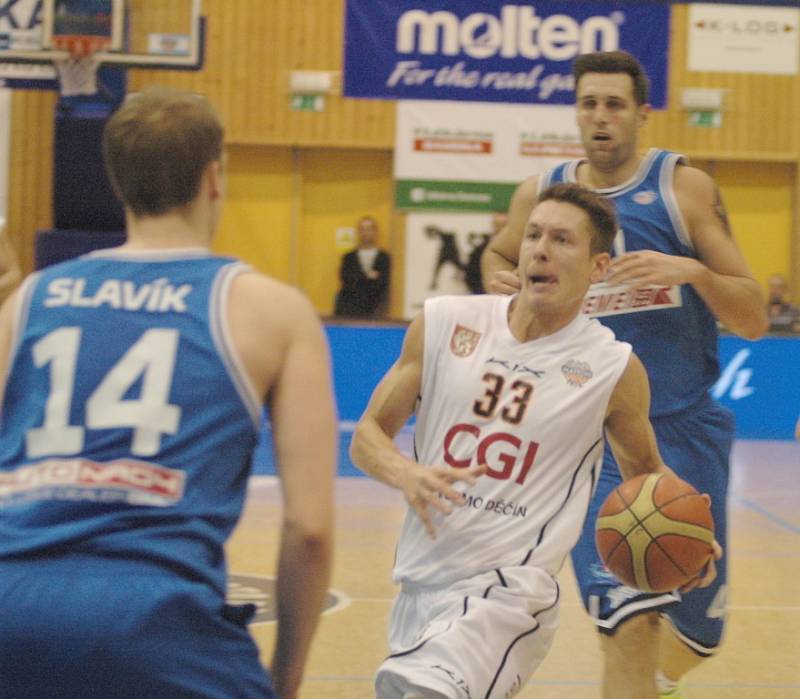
(77, 73)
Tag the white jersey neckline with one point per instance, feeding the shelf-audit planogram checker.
(501, 319)
(151, 253)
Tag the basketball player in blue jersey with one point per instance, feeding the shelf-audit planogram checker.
(680, 271)
(511, 397)
(133, 381)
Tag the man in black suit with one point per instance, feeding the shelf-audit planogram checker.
(364, 274)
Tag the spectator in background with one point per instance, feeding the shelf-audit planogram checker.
(783, 315)
(472, 272)
(10, 273)
(364, 274)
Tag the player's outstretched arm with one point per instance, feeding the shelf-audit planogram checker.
(283, 347)
(373, 448)
(499, 259)
(721, 275)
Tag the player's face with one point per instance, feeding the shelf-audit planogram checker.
(367, 232)
(556, 264)
(608, 118)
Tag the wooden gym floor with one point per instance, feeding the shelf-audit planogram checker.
(760, 658)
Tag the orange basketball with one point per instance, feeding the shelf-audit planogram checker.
(654, 532)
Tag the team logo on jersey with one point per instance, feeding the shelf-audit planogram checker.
(576, 373)
(645, 198)
(123, 480)
(258, 592)
(464, 341)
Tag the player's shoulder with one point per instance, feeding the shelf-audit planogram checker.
(459, 303)
(256, 286)
(692, 180)
(599, 335)
(470, 314)
(268, 302)
(632, 382)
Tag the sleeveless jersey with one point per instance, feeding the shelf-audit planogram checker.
(677, 345)
(127, 421)
(533, 412)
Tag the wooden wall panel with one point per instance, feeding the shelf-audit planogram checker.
(760, 120)
(253, 44)
(30, 196)
(251, 47)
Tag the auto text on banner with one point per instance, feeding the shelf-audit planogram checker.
(494, 51)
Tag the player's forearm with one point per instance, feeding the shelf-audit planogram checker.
(303, 578)
(376, 454)
(492, 262)
(735, 301)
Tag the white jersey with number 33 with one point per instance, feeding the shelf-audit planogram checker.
(533, 412)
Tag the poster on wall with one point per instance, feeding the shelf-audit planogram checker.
(494, 50)
(471, 156)
(445, 248)
(21, 30)
(743, 39)
(456, 163)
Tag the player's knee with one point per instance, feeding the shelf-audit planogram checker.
(634, 640)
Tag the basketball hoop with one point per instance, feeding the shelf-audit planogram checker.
(81, 30)
(77, 74)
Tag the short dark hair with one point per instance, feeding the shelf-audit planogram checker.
(600, 211)
(614, 62)
(157, 146)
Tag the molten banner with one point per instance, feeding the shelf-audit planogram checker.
(494, 51)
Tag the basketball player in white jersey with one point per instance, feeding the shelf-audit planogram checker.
(512, 396)
(674, 237)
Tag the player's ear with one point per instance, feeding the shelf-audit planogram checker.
(643, 112)
(214, 176)
(600, 264)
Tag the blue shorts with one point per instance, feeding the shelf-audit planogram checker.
(696, 444)
(109, 630)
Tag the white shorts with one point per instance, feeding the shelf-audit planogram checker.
(480, 638)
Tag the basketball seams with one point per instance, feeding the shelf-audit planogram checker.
(644, 524)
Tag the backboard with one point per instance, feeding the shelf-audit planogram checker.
(34, 34)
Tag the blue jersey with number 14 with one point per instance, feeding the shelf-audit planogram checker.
(677, 345)
(127, 425)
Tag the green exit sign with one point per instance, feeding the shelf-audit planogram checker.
(307, 103)
(705, 118)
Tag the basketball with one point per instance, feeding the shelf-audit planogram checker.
(654, 532)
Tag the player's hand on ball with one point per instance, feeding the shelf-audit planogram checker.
(505, 282)
(428, 487)
(708, 574)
